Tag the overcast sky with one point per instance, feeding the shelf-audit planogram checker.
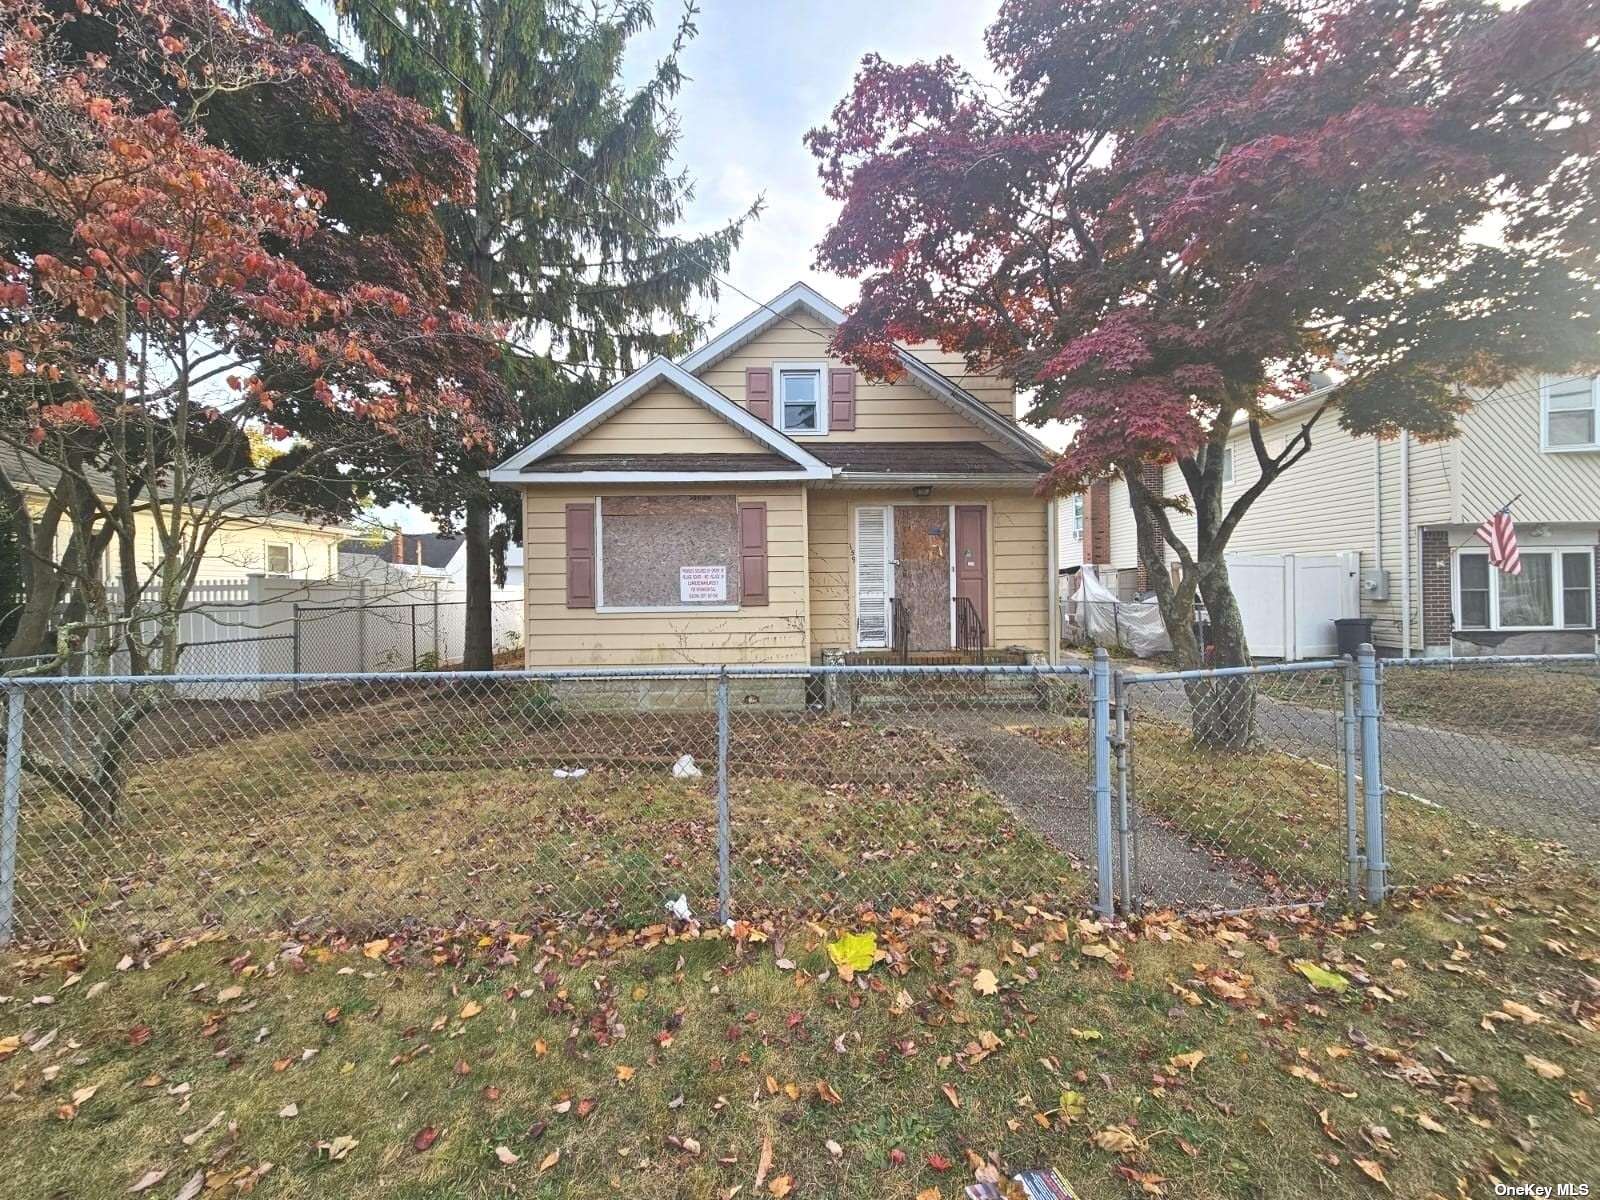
(763, 72)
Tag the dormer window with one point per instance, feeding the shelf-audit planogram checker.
(802, 406)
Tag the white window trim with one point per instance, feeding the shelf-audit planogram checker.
(1557, 591)
(1227, 464)
(600, 605)
(1544, 419)
(266, 557)
(820, 369)
(1077, 517)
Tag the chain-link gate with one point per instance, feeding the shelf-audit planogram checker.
(1239, 788)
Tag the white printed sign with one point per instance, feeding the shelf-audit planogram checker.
(702, 585)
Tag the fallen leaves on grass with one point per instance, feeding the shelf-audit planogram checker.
(424, 1138)
(854, 951)
(985, 983)
(1320, 977)
(1372, 1170)
(338, 1149)
(1543, 1067)
(507, 1156)
(1118, 1139)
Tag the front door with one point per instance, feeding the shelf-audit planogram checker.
(922, 572)
(972, 561)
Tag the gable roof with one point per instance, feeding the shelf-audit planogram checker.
(796, 462)
(802, 295)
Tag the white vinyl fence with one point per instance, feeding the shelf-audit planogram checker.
(271, 625)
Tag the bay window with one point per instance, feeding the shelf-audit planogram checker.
(1554, 591)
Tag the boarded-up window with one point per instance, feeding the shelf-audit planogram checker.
(669, 551)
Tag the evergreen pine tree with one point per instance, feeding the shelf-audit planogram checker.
(568, 238)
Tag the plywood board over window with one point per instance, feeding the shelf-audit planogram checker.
(651, 545)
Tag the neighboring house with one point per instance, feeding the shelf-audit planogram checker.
(413, 555)
(456, 568)
(758, 501)
(251, 542)
(1410, 510)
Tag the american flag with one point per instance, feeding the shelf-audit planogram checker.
(1500, 531)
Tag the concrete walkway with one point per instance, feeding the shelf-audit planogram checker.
(1050, 791)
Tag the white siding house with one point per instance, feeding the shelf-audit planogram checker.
(1410, 510)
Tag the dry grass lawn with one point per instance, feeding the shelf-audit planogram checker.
(1195, 1062)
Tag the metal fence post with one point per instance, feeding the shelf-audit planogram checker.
(1350, 758)
(1372, 776)
(724, 831)
(11, 810)
(361, 626)
(1100, 749)
(1124, 800)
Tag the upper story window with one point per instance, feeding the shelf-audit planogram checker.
(1569, 412)
(802, 397)
(1227, 464)
(1077, 517)
(278, 559)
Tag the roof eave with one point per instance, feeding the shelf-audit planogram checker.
(525, 478)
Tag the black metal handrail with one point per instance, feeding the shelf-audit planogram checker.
(900, 628)
(970, 634)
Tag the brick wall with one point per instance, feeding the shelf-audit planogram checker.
(1149, 475)
(1438, 615)
(1097, 523)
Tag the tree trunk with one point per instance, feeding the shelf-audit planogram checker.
(1222, 709)
(478, 647)
(1224, 715)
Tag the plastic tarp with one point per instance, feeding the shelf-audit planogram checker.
(1099, 617)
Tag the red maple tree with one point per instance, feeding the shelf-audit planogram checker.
(168, 300)
(1173, 212)
(168, 309)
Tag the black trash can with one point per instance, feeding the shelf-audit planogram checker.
(1352, 633)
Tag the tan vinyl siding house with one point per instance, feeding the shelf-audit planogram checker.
(759, 502)
(558, 636)
(897, 411)
(1410, 511)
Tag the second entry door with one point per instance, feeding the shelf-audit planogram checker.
(922, 572)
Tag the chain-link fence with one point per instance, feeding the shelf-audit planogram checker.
(1510, 744)
(156, 805)
(600, 797)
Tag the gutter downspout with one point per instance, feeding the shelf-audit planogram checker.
(1377, 502)
(1052, 589)
(1405, 545)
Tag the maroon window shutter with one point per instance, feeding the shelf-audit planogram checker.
(842, 399)
(580, 556)
(758, 392)
(753, 554)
